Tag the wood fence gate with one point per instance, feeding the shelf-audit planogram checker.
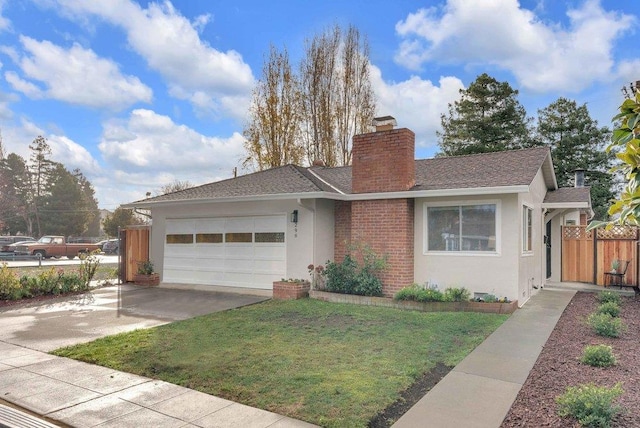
(587, 255)
(134, 248)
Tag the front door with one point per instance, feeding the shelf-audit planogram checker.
(547, 240)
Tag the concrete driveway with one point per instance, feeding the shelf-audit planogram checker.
(51, 324)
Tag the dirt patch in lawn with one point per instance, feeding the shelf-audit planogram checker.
(559, 366)
(410, 396)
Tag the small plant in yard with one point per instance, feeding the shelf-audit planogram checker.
(146, 267)
(9, 284)
(591, 405)
(598, 356)
(610, 308)
(455, 294)
(349, 277)
(489, 298)
(89, 266)
(418, 294)
(606, 325)
(609, 296)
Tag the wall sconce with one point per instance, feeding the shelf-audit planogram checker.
(294, 217)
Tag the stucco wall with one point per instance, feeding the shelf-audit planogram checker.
(532, 265)
(315, 223)
(495, 273)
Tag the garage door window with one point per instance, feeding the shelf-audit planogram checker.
(238, 237)
(269, 237)
(180, 239)
(208, 238)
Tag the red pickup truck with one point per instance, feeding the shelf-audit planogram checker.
(55, 246)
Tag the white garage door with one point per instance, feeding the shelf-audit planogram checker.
(231, 251)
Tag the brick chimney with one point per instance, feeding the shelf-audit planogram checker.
(383, 161)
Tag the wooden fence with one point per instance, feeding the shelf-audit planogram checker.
(134, 248)
(587, 255)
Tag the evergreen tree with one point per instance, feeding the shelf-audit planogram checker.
(577, 142)
(487, 118)
(120, 218)
(15, 196)
(41, 168)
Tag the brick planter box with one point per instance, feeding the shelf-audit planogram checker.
(147, 280)
(494, 308)
(284, 290)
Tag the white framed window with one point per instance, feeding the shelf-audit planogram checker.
(465, 227)
(527, 229)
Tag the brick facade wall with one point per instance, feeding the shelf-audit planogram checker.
(387, 227)
(383, 161)
(342, 230)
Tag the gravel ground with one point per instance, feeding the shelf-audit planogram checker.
(559, 366)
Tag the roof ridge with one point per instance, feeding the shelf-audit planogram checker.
(543, 147)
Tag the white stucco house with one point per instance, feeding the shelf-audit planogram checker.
(488, 222)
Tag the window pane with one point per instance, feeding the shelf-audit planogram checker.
(269, 236)
(180, 239)
(238, 237)
(444, 228)
(208, 238)
(528, 226)
(478, 227)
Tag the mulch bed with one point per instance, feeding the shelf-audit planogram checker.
(559, 366)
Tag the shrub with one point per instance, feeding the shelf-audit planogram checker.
(418, 294)
(609, 296)
(10, 288)
(598, 356)
(489, 298)
(89, 266)
(349, 277)
(455, 294)
(606, 325)
(591, 405)
(610, 308)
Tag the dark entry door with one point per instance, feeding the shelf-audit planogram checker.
(547, 239)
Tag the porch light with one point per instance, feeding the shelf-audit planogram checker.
(294, 217)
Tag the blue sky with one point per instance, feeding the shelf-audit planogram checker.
(138, 94)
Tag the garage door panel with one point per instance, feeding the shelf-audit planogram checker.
(239, 264)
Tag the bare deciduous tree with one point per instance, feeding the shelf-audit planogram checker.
(313, 116)
(274, 116)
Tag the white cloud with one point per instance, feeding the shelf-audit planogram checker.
(543, 56)
(416, 103)
(149, 143)
(75, 75)
(171, 45)
(5, 24)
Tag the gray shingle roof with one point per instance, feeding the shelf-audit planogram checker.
(510, 168)
(567, 195)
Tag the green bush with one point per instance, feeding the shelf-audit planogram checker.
(606, 325)
(489, 298)
(418, 294)
(349, 277)
(591, 405)
(455, 294)
(10, 288)
(609, 296)
(610, 308)
(598, 356)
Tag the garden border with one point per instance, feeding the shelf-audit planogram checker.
(493, 308)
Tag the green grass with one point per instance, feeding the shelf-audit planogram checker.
(105, 271)
(330, 364)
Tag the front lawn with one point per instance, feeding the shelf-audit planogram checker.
(325, 363)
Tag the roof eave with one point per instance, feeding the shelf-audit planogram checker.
(565, 205)
(250, 198)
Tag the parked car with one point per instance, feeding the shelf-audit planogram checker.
(12, 248)
(55, 246)
(5, 241)
(112, 246)
(100, 244)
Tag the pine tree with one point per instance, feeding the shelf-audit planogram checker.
(487, 118)
(577, 142)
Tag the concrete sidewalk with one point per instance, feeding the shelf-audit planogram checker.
(85, 395)
(479, 391)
